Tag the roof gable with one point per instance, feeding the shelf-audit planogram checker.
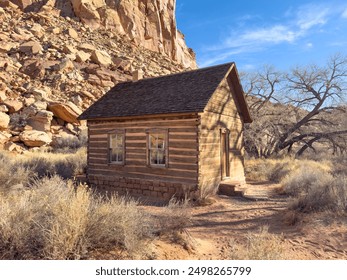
(185, 92)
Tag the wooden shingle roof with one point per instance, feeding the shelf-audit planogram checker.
(185, 92)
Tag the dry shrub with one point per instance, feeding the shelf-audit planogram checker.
(314, 188)
(301, 180)
(340, 165)
(276, 170)
(12, 173)
(268, 169)
(259, 246)
(70, 144)
(173, 221)
(206, 193)
(49, 164)
(56, 220)
(176, 216)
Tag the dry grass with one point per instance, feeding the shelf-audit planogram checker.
(276, 169)
(22, 168)
(259, 246)
(315, 186)
(55, 220)
(173, 221)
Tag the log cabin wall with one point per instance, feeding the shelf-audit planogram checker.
(135, 176)
(220, 115)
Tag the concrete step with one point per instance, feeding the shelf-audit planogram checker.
(230, 188)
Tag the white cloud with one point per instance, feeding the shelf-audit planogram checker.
(344, 14)
(296, 25)
(309, 16)
(275, 34)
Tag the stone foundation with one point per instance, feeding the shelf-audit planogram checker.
(156, 189)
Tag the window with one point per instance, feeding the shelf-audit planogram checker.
(157, 148)
(116, 147)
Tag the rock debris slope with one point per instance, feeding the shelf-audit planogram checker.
(57, 57)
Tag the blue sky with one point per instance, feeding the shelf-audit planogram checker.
(255, 33)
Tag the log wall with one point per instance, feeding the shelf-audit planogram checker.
(220, 113)
(135, 176)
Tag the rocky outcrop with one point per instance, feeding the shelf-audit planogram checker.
(52, 68)
(147, 23)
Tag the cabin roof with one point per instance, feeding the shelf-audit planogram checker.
(185, 92)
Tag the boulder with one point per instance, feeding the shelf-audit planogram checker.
(34, 108)
(4, 120)
(22, 4)
(13, 147)
(34, 69)
(66, 65)
(69, 49)
(4, 137)
(3, 96)
(13, 105)
(37, 30)
(87, 11)
(40, 93)
(41, 121)
(3, 108)
(31, 47)
(87, 47)
(65, 111)
(72, 33)
(101, 58)
(34, 138)
(82, 56)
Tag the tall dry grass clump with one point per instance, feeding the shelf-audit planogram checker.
(315, 187)
(53, 219)
(173, 222)
(49, 164)
(276, 170)
(12, 173)
(259, 246)
(22, 168)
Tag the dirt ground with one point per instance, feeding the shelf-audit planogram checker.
(217, 228)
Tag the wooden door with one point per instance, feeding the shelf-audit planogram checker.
(225, 166)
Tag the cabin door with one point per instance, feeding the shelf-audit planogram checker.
(225, 165)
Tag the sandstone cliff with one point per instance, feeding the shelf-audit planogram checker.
(52, 67)
(147, 23)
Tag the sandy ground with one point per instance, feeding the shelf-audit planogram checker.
(217, 228)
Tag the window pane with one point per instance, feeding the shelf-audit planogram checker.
(161, 141)
(152, 141)
(157, 148)
(160, 157)
(153, 156)
(113, 156)
(119, 140)
(113, 141)
(120, 156)
(116, 148)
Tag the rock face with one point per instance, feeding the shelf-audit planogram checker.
(54, 65)
(147, 23)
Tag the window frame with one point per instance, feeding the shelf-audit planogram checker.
(166, 147)
(109, 148)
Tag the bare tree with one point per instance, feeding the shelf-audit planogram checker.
(294, 111)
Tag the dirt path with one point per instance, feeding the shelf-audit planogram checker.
(231, 220)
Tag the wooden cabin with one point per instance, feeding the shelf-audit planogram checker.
(168, 136)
